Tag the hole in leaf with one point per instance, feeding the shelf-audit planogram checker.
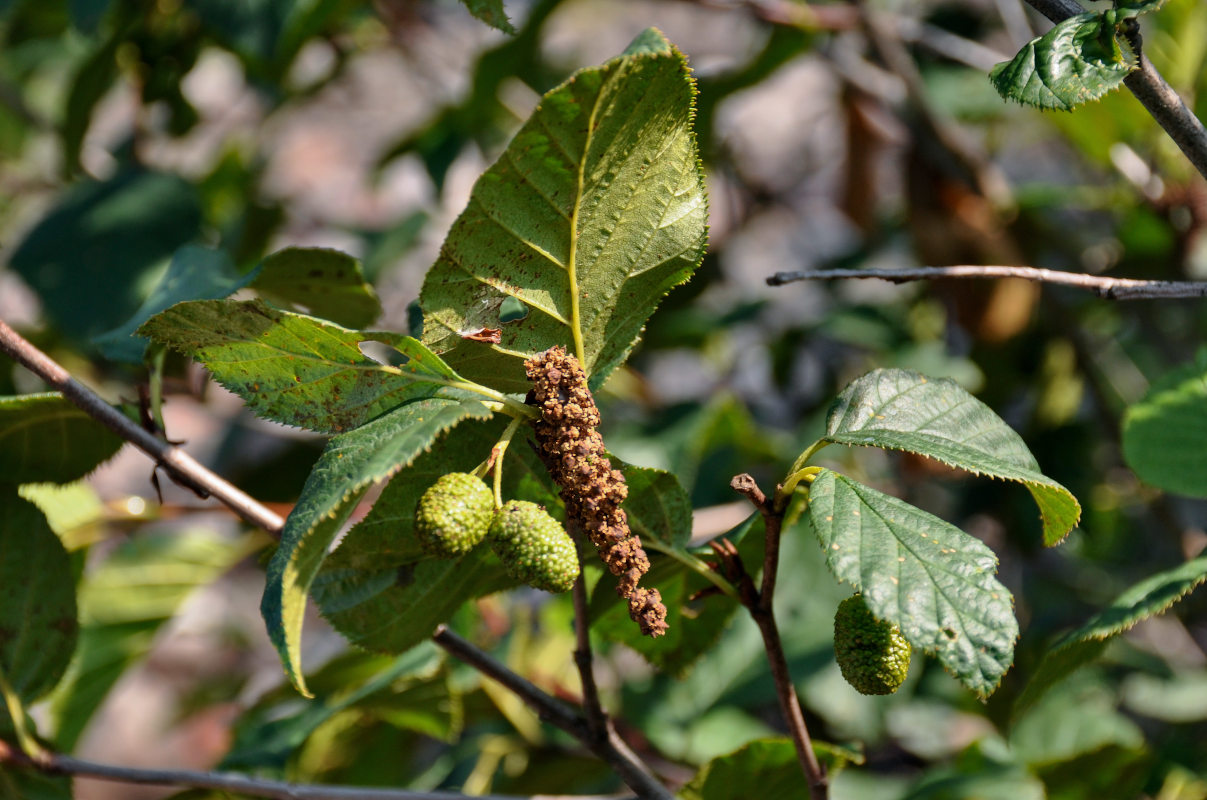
(949, 633)
(415, 319)
(512, 310)
(382, 353)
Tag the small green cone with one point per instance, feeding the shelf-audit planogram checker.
(534, 547)
(873, 655)
(453, 515)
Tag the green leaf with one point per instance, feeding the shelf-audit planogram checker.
(38, 626)
(1079, 60)
(1070, 724)
(898, 409)
(924, 575)
(350, 464)
(989, 782)
(1165, 434)
(44, 438)
(123, 603)
(1081, 746)
(379, 589)
(657, 507)
(491, 12)
(267, 735)
(1127, 9)
(300, 370)
(324, 283)
(104, 240)
(1152, 596)
(392, 610)
(592, 214)
(769, 764)
(196, 273)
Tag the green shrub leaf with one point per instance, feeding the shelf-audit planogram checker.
(323, 283)
(38, 626)
(392, 610)
(898, 409)
(379, 589)
(924, 575)
(196, 273)
(769, 764)
(1165, 434)
(349, 465)
(270, 733)
(102, 241)
(1079, 60)
(592, 214)
(300, 370)
(657, 507)
(1148, 598)
(45, 438)
(491, 12)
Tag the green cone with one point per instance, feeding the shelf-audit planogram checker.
(873, 655)
(534, 547)
(453, 515)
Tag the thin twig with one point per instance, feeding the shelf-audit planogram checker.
(546, 707)
(179, 464)
(1150, 88)
(1101, 285)
(761, 608)
(597, 719)
(56, 764)
(609, 748)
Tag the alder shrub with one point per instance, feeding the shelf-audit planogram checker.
(483, 429)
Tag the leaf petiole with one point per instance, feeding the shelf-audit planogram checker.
(691, 562)
(496, 457)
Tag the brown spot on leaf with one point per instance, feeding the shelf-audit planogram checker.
(488, 335)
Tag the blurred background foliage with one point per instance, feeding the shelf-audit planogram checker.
(132, 128)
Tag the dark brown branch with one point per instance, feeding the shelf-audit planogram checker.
(597, 720)
(254, 787)
(761, 608)
(179, 464)
(609, 748)
(1105, 287)
(1150, 88)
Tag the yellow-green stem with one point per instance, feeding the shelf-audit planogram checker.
(497, 456)
(16, 711)
(692, 563)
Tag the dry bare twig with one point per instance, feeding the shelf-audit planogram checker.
(1105, 287)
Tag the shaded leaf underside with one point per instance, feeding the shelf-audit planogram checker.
(349, 465)
(44, 437)
(920, 573)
